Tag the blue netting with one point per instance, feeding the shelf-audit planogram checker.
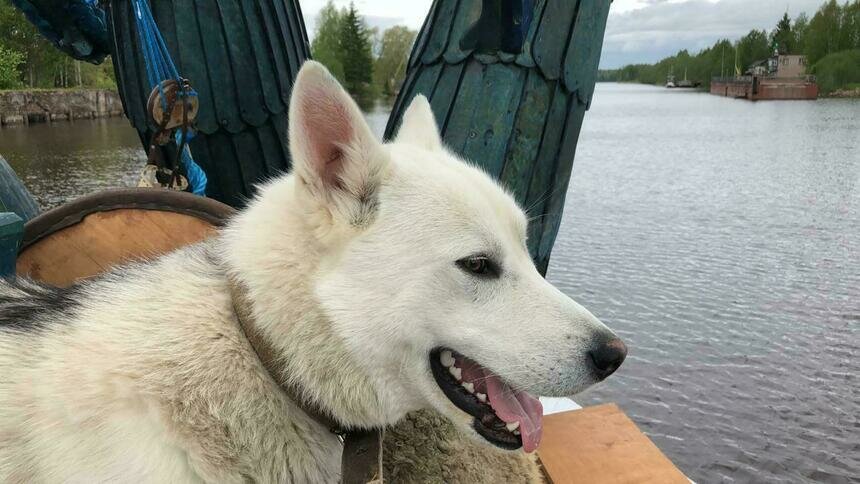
(160, 67)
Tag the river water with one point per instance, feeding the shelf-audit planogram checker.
(720, 238)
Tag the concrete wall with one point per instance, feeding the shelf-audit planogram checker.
(791, 66)
(23, 107)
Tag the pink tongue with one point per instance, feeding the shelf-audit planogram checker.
(516, 406)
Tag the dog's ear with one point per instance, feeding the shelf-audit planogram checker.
(335, 154)
(418, 127)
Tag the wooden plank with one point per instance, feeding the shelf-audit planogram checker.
(524, 58)
(584, 48)
(493, 117)
(105, 239)
(468, 12)
(541, 181)
(468, 97)
(11, 232)
(550, 43)
(193, 63)
(559, 184)
(601, 445)
(256, 28)
(440, 31)
(527, 135)
(221, 80)
(242, 59)
(277, 52)
(445, 93)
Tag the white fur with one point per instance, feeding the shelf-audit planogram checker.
(350, 264)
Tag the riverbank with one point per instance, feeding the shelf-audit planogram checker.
(40, 106)
(850, 92)
(845, 93)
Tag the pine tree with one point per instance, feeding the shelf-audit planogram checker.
(356, 56)
(784, 37)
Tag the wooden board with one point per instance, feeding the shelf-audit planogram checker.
(104, 239)
(601, 445)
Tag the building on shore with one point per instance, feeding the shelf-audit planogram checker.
(782, 76)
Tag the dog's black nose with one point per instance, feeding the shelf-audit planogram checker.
(608, 357)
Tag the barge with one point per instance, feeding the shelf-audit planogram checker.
(782, 77)
(759, 88)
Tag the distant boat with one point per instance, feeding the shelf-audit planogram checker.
(670, 80)
(687, 83)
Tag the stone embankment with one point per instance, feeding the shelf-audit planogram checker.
(40, 106)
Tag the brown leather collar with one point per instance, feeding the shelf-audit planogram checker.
(361, 461)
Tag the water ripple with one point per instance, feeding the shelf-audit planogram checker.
(723, 243)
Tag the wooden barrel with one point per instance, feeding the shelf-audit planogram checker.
(94, 233)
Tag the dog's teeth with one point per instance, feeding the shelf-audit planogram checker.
(512, 426)
(470, 387)
(481, 397)
(447, 359)
(456, 372)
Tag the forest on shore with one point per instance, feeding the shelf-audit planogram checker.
(830, 40)
(371, 64)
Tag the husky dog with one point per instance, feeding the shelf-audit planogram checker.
(381, 278)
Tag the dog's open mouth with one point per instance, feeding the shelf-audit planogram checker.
(506, 417)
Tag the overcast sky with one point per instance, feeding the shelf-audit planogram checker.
(638, 30)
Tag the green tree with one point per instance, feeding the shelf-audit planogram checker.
(41, 60)
(753, 47)
(800, 28)
(850, 26)
(838, 70)
(10, 61)
(326, 45)
(783, 36)
(356, 57)
(822, 36)
(390, 67)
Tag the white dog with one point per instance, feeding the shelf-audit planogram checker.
(378, 279)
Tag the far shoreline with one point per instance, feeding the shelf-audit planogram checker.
(842, 93)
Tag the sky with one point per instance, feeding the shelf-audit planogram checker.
(638, 31)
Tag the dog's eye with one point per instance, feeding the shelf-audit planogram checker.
(479, 265)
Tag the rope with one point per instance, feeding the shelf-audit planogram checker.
(160, 67)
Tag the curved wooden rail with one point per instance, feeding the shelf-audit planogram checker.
(94, 233)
